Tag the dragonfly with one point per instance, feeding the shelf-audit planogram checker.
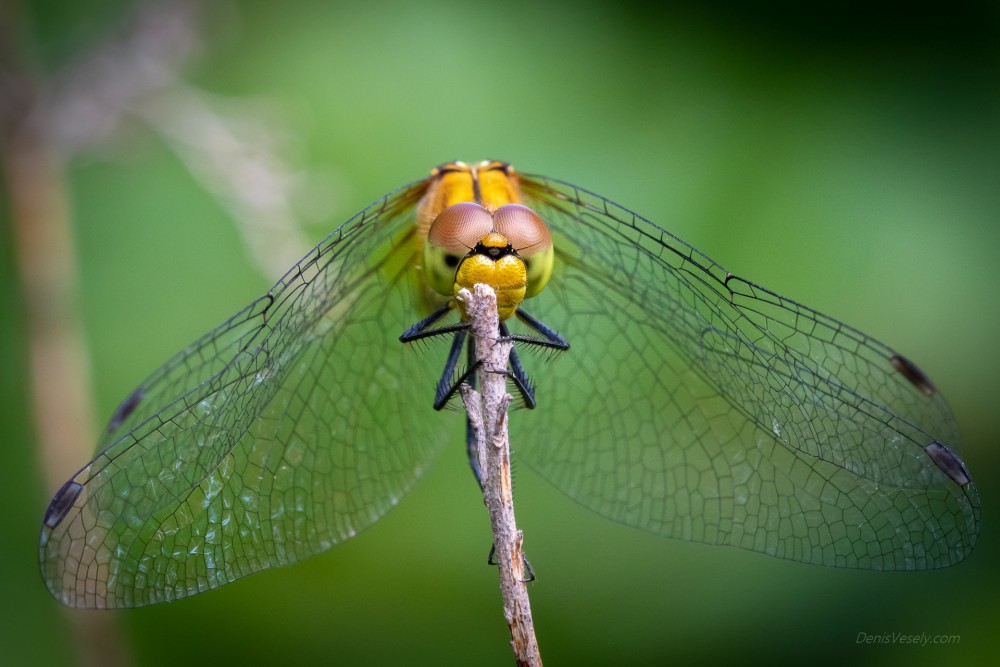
(676, 398)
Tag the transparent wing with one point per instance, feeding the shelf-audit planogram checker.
(287, 429)
(696, 405)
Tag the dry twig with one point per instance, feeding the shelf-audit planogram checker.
(488, 412)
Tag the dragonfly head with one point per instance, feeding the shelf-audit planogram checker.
(510, 250)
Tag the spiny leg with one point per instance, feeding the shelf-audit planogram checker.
(421, 329)
(446, 387)
(551, 340)
(521, 380)
(516, 372)
(550, 337)
(524, 559)
(471, 444)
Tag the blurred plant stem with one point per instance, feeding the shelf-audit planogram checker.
(47, 120)
(59, 376)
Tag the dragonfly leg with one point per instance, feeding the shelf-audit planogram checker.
(524, 559)
(422, 328)
(472, 450)
(521, 379)
(471, 442)
(550, 337)
(447, 386)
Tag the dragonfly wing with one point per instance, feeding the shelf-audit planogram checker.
(696, 405)
(287, 429)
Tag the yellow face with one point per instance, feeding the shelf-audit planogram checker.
(477, 231)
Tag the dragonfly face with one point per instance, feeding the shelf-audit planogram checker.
(694, 404)
(478, 232)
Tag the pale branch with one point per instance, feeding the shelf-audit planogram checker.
(242, 159)
(487, 410)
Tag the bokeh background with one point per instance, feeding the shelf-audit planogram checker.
(845, 156)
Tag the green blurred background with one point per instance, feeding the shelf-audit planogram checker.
(849, 159)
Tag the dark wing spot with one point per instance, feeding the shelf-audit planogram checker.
(910, 371)
(126, 408)
(949, 462)
(61, 502)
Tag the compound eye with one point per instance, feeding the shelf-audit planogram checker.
(524, 228)
(459, 227)
(529, 236)
(451, 236)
